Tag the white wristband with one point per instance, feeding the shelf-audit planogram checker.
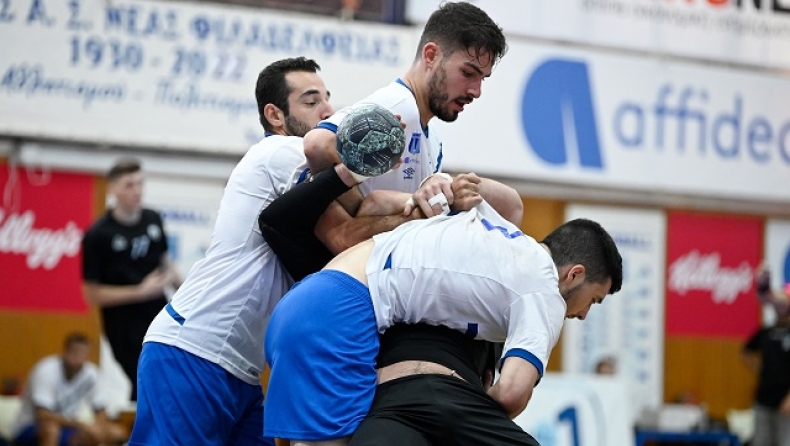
(444, 175)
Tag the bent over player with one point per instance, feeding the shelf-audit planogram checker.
(474, 272)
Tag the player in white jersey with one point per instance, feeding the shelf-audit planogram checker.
(475, 272)
(56, 392)
(199, 371)
(458, 49)
(210, 336)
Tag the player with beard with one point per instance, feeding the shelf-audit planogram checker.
(199, 373)
(459, 47)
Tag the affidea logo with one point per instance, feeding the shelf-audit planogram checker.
(561, 125)
(558, 116)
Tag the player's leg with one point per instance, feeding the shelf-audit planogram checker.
(249, 428)
(47, 433)
(126, 348)
(383, 431)
(321, 345)
(184, 399)
(403, 413)
(474, 418)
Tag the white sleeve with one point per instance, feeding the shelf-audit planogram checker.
(287, 165)
(535, 322)
(42, 385)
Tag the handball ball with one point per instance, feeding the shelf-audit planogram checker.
(370, 140)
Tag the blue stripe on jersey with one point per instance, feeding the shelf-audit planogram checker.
(439, 158)
(327, 125)
(489, 226)
(388, 263)
(471, 330)
(174, 314)
(525, 355)
(303, 176)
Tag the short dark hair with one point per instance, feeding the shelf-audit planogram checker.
(272, 88)
(122, 167)
(459, 26)
(585, 242)
(75, 338)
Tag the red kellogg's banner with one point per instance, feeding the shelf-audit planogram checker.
(711, 263)
(43, 216)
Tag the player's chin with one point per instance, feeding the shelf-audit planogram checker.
(448, 115)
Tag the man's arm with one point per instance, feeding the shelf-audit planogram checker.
(288, 223)
(465, 192)
(504, 199)
(305, 226)
(513, 390)
(380, 212)
(751, 352)
(320, 149)
(784, 407)
(152, 286)
(44, 416)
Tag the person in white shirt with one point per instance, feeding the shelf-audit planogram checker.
(57, 391)
(458, 49)
(199, 377)
(474, 272)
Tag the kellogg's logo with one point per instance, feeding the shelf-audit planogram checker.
(698, 272)
(43, 247)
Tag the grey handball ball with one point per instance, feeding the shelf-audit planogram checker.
(370, 140)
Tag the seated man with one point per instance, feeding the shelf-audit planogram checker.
(474, 272)
(56, 390)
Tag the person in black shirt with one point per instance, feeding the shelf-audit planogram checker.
(768, 353)
(125, 267)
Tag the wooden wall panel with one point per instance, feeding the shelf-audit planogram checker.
(26, 337)
(711, 370)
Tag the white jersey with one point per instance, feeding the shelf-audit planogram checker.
(48, 388)
(475, 272)
(423, 153)
(221, 311)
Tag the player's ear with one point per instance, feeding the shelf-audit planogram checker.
(572, 275)
(431, 54)
(274, 115)
(577, 274)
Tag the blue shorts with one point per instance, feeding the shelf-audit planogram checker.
(321, 345)
(29, 436)
(186, 400)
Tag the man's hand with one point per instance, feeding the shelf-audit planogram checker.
(784, 408)
(153, 284)
(466, 192)
(429, 196)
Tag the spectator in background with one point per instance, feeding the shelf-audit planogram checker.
(349, 9)
(606, 366)
(57, 389)
(125, 266)
(767, 352)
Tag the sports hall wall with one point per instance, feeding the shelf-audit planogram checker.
(681, 150)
